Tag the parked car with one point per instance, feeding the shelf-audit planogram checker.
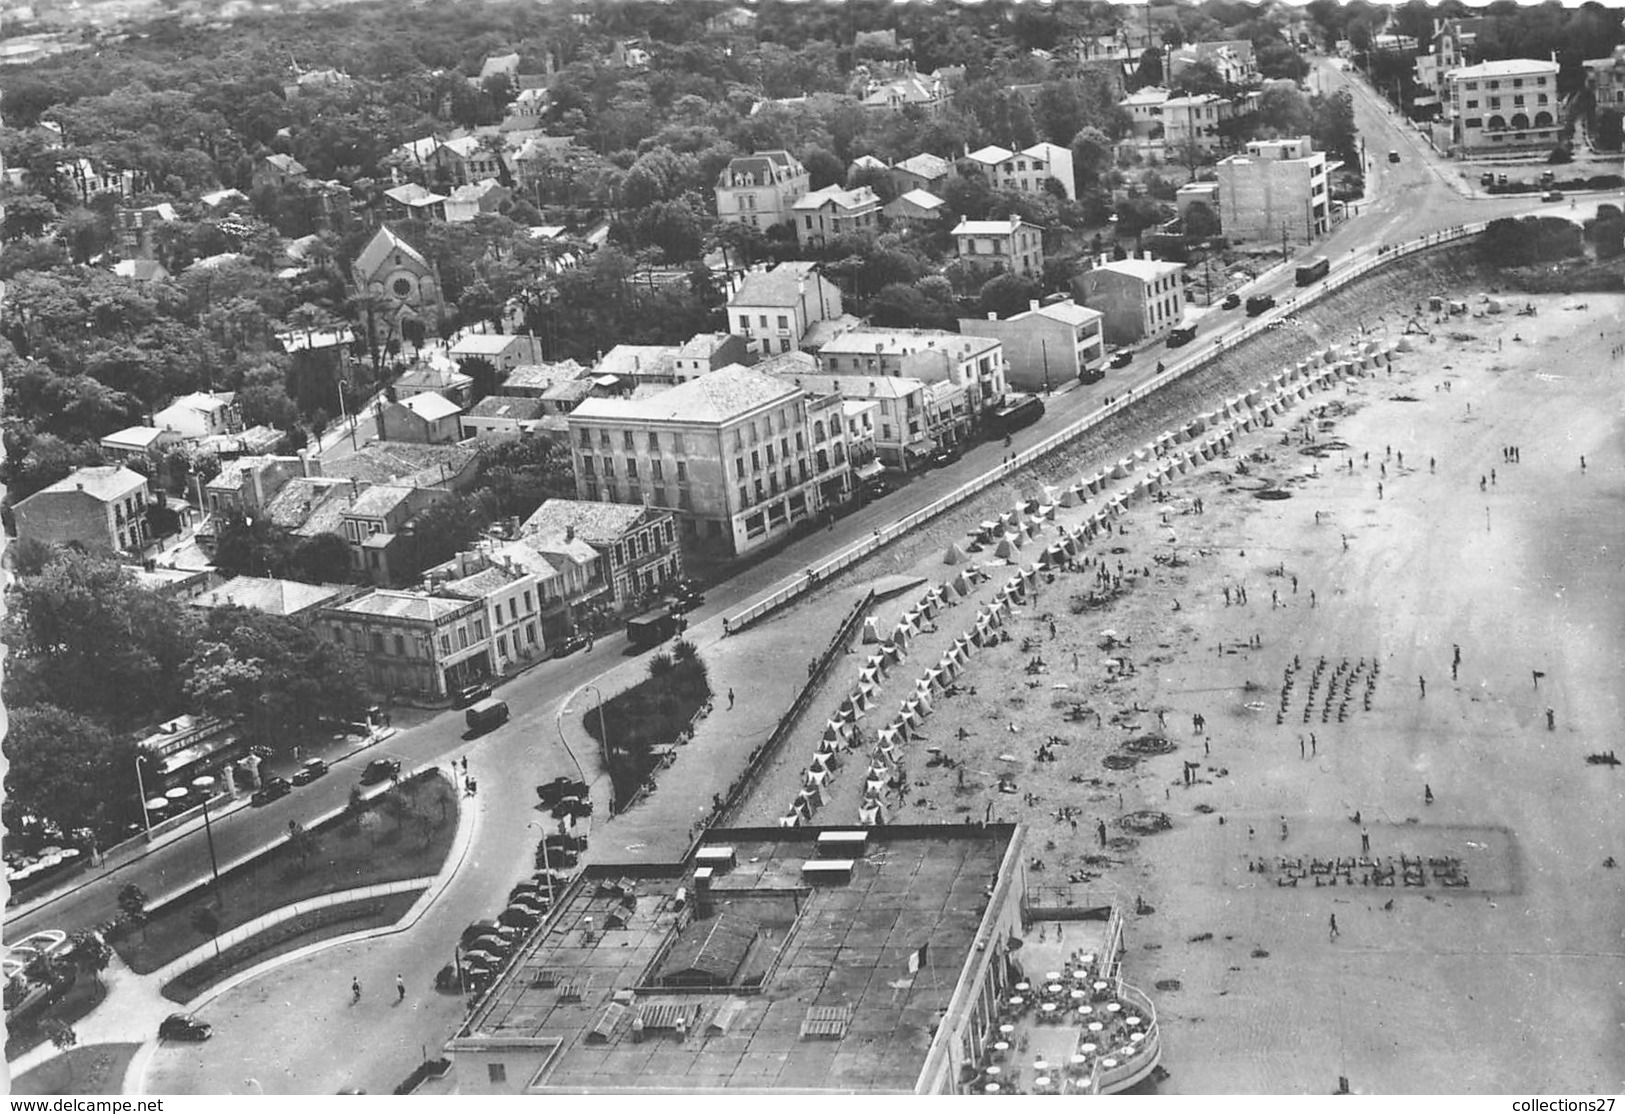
(576, 807)
(566, 843)
(529, 890)
(520, 916)
(380, 769)
(1258, 303)
(564, 647)
(273, 789)
(1231, 300)
(1122, 357)
(536, 904)
(184, 1027)
(477, 929)
(552, 792)
(1181, 334)
(471, 694)
(310, 771)
(878, 487)
(944, 455)
(1393, 156)
(686, 595)
(1552, 195)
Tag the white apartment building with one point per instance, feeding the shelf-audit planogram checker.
(1278, 191)
(758, 189)
(1501, 106)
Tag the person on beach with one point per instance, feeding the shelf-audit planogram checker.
(1427, 794)
(1422, 684)
(1334, 933)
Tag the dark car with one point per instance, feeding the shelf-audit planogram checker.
(1182, 334)
(566, 843)
(471, 694)
(943, 456)
(576, 807)
(1393, 156)
(532, 890)
(478, 929)
(310, 771)
(520, 916)
(380, 769)
(1231, 300)
(273, 789)
(1552, 195)
(552, 792)
(564, 647)
(184, 1027)
(877, 487)
(1258, 303)
(1122, 357)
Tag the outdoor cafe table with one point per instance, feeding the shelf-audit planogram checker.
(1054, 988)
(1023, 987)
(1053, 976)
(1041, 1081)
(1040, 1065)
(1048, 1008)
(1001, 1048)
(1131, 1021)
(1006, 1029)
(1079, 1061)
(1078, 996)
(1087, 1048)
(992, 1088)
(1095, 1026)
(1113, 1007)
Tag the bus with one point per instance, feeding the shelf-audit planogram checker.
(1314, 270)
(1018, 412)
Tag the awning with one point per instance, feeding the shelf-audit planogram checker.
(925, 446)
(873, 468)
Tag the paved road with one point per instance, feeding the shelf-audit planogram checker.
(1411, 197)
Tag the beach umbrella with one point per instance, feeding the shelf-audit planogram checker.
(870, 815)
(789, 821)
(813, 778)
(156, 804)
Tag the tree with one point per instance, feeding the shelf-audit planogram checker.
(63, 1036)
(444, 528)
(90, 953)
(1006, 294)
(1201, 222)
(904, 306)
(1198, 78)
(322, 559)
(1331, 125)
(1091, 157)
(523, 472)
(68, 769)
(132, 904)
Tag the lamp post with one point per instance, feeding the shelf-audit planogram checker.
(603, 745)
(140, 786)
(214, 865)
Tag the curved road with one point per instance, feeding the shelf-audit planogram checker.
(307, 1049)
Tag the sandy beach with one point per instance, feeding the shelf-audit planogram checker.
(1395, 618)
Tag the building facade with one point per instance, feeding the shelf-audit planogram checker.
(1140, 299)
(412, 642)
(1046, 346)
(1508, 105)
(101, 509)
(975, 363)
(727, 452)
(1001, 245)
(1277, 191)
(1028, 171)
(758, 189)
(512, 599)
(773, 310)
(836, 211)
(638, 544)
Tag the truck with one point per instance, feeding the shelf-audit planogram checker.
(1314, 270)
(652, 630)
(488, 713)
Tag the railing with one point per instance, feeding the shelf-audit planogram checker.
(840, 562)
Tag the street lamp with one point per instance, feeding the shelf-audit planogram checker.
(140, 786)
(603, 733)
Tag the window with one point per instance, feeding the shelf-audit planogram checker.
(671, 532)
(631, 469)
(497, 1073)
(603, 438)
(784, 322)
(400, 646)
(784, 344)
(528, 608)
(744, 496)
(756, 460)
(609, 468)
(654, 441)
(586, 466)
(677, 444)
(657, 471)
(682, 471)
(739, 440)
(530, 633)
(770, 459)
(626, 440)
(586, 438)
(744, 322)
(462, 638)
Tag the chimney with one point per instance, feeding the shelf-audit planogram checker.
(80, 485)
(1032, 305)
(992, 315)
(569, 533)
(355, 489)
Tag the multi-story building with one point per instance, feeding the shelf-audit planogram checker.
(201, 414)
(503, 351)
(426, 419)
(246, 484)
(1509, 105)
(1141, 299)
(1605, 78)
(836, 211)
(412, 642)
(708, 352)
(512, 597)
(1027, 171)
(1195, 120)
(773, 310)
(287, 598)
(728, 452)
(1001, 245)
(1452, 39)
(498, 415)
(1046, 346)
(928, 94)
(1144, 108)
(377, 526)
(922, 172)
(638, 544)
(1277, 191)
(103, 508)
(1232, 59)
(915, 207)
(975, 363)
(398, 274)
(758, 189)
(894, 422)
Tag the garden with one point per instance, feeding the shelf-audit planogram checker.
(656, 712)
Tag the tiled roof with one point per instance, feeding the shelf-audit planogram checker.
(924, 199)
(990, 154)
(378, 249)
(378, 501)
(1506, 67)
(507, 406)
(1068, 312)
(428, 377)
(596, 522)
(106, 483)
(525, 557)
(544, 375)
(431, 407)
(716, 396)
(926, 166)
(764, 166)
(483, 344)
(990, 227)
(310, 505)
(478, 585)
(286, 163)
(871, 342)
(403, 462)
(413, 194)
(275, 597)
(838, 196)
(638, 360)
(779, 287)
(136, 437)
(1147, 270)
(571, 390)
(402, 605)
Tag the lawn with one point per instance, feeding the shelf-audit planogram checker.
(95, 1069)
(654, 712)
(405, 833)
(306, 928)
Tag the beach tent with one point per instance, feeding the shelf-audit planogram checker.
(871, 632)
(954, 555)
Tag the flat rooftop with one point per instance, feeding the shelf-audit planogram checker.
(781, 982)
